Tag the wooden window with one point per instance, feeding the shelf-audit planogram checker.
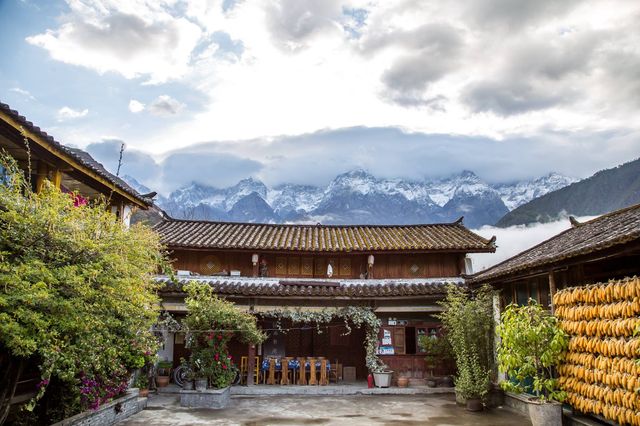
(345, 267)
(321, 268)
(281, 266)
(306, 267)
(399, 340)
(293, 267)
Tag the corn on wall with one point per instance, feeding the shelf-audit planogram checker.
(600, 373)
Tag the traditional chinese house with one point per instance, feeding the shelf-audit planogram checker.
(398, 271)
(69, 169)
(602, 249)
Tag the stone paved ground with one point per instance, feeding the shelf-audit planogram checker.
(400, 410)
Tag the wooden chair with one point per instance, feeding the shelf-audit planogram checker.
(335, 372)
(302, 373)
(244, 365)
(323, 373)
(272, 372)
(284, 362)
(312, 371)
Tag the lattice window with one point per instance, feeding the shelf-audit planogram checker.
(294, 266)
(307, 266)
(345, 267)
(281, 266)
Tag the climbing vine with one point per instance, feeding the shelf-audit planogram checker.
(352, 315)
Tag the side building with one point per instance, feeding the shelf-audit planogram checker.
(602, 249)
(69, 169)
(398, 271)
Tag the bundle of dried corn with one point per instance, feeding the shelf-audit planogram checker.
(600, 373)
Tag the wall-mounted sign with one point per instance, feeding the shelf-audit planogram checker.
(386, 350)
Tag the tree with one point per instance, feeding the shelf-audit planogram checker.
(531, 345)
(211, 322)
(469, 325)
(77, 297)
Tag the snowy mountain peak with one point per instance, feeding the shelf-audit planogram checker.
(359, 197)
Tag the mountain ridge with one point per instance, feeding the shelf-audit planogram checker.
(356, 197)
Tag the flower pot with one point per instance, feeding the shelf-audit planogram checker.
(432, 383)
(474, 404)
(162, 381)
(144, 393)
(201, 384)
(188, 385)
(460, 400)
(545, 413)
(403, 382)
(383, 379)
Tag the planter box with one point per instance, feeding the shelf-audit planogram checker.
(209, 398)
(540, 414)
(110, 413)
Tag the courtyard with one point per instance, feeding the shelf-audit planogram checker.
(165, 410)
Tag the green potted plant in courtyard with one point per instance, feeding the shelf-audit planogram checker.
(142, 383)
(438, 350)
(382, 376)
(531, 345)
(469, 326)
(164, 373)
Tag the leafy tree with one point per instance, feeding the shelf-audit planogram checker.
(77, 297)
(468, 321)
(531, 345)
(211, 322)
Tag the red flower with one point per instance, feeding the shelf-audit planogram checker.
(224, 367)
(217, 357)
(219, 336)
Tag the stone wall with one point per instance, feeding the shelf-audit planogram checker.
(109, 414)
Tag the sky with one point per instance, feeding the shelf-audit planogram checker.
(301, 90)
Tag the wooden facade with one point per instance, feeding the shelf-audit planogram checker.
(314, 265)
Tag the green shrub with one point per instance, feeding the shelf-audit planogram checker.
(77, 296)
(531, 345)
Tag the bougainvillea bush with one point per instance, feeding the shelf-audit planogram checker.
(210, 323)
(77, 298)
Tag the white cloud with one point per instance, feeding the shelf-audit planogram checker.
(135, 106)
(66, 113)
(515, 239)
(472, 68)
(165, 106)
(131, 38)
(23, 92)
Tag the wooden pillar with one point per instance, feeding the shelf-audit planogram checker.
(251, 364)
(552, 290)
(42, 174)
(57, 178)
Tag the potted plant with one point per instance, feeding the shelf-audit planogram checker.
(382, 376)
(469, 325)
(142, 383)
(438, 350)
(164, 373)
(472, 382)
(531, 345)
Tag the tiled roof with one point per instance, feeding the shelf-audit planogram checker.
(615, 228)
(320, 238)
(78, 155)
(241, 286)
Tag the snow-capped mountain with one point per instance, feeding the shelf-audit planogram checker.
(358, 197)
(519, 193)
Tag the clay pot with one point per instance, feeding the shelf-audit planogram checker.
(162, 381)
(474, 404)
(403, 381)
(144, 393)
